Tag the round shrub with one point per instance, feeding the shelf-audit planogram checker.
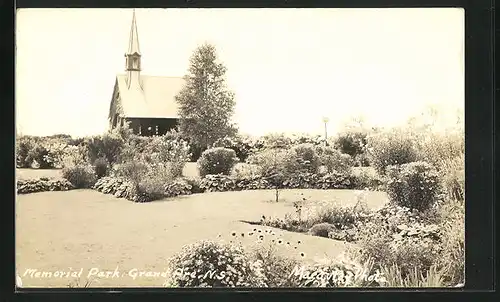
(414, 185)
(217, 161)
(214, 264)
(391, 148)
(80, 176)
(101, 167)
(322, 229)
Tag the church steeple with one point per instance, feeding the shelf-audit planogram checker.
(133, 55)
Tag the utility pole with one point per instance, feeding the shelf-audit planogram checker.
(325, 121)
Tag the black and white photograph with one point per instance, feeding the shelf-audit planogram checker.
(252, 148)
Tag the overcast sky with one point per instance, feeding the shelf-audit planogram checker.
(287, 67)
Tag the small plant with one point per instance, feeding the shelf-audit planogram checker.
(217, 161)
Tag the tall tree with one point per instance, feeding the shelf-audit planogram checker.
(205, 104)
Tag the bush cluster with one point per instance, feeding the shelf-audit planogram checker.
(42, 185)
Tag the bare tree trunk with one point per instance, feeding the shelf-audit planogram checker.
(277, 194)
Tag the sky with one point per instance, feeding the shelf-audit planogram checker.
(288, 68)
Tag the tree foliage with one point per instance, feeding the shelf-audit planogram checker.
(205, 104)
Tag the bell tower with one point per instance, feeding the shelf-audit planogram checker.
(133, 56)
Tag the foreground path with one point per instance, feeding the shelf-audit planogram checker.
(89, 231)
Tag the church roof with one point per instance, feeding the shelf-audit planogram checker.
(155, 99)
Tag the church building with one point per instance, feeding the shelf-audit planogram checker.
(146, 102)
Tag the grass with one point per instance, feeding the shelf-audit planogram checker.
(190, 171)
(86, 229)
(38, 173)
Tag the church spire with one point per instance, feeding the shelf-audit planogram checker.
(133, 46)
(133, 56)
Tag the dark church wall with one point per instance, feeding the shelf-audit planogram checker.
(148, 126)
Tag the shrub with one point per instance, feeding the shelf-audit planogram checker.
(75, 155)
(213, 264)
(436, 148)
(334, 160)
(165, 150)
(217, 161)
(391, 148)
(42, 185)
(304, 159)
(304, 180)
(80, 176)
(178, 186)
(414, 185)
(40, 155)
(333, 180)
(101, 167)
(242, 146)
(322, 229)
(152, 185)
(365, 178)
(271, 161)
(315, 140)
(109, 145)
(24, 145)
(453, 176)
(134, 171)
(276, 141)
(119, 187)
(195, 185)
(246, 171)
(276, 268)
(452, 247)
(217, 183)
(352, 143)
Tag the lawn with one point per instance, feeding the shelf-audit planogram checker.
(85, 229)
(190, 170)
